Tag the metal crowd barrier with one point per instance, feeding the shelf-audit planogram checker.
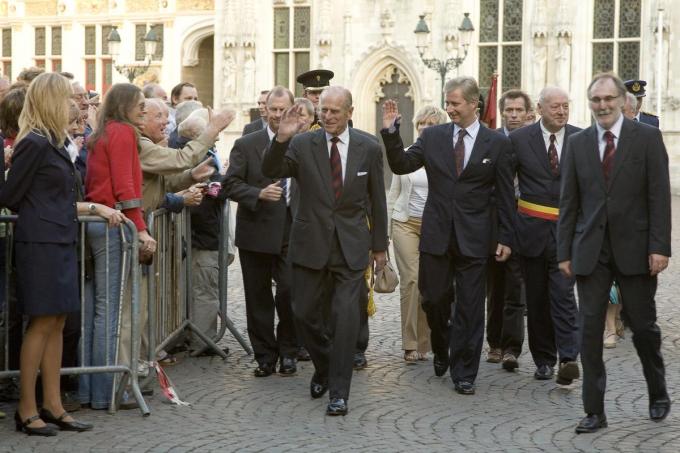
(170, 295)
(124, 373)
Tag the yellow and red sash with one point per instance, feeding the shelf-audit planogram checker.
(538, 210)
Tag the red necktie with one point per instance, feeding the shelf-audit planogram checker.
(336, 168)
(459, 152)
(552, 155)
(608, 158)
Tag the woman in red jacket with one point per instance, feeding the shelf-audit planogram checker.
(113, 178)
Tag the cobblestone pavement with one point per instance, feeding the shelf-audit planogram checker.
(393, 406)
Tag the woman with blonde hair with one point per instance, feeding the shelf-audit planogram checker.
(41, 187)
(406, 201)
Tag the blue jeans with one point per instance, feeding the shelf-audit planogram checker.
(101, 319)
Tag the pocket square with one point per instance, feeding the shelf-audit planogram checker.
(362, 173)
(486, 161)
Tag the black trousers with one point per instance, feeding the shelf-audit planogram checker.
(258, 271)
(639, 310)
(505, 305)
(452, 286)
(326, 305)
(551, 309)
(362, 339)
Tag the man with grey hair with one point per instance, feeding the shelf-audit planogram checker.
(340, 177)
(182, 112)
(551, 308)
(615, 224)
(630, 106)
(154, 91)
(467, 166)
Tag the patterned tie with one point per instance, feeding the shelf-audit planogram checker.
(552, 155)
(336, 168)
(459, 152)
(608, 158)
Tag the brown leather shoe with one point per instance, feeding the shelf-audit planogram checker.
(495, 355)
(510, 362)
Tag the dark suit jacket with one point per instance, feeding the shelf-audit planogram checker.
(41, 187)
(652, 120)
(319, 215)
(635, 206)
(253, 126)
(463, 202)
(537, 184)
(259, 224)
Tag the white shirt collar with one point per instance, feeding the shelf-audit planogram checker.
(559, 135)
(271, 133)
(471, 130)
(344, 136)
(615, 129)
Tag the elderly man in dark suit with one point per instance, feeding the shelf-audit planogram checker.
(615, 223)
(551, 307)
(339, 174)
(262, 227)
(637, 89)
(467, 164)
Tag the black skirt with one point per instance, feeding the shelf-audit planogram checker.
(47, 278)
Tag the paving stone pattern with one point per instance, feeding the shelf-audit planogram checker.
(393, 406)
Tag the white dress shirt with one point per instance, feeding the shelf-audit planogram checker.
(469, 139)
(559, 140)
(615, 129)
(343, 146)
(271, 134)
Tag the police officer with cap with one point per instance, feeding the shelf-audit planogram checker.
(637, 88)
(314, 82)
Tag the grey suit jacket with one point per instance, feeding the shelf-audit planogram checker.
(635, 206)
(253, 126)
(319, 216)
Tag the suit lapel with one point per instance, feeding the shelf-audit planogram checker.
(320, 153)
(447, 150)
(354, 154)
(593, 155)
(537, 145)
(477, 153)
(262, 143)
(622, 148)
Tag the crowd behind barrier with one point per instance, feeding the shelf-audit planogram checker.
(155, 305)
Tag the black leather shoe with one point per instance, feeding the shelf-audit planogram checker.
(360, 361)
(544, 373)
(659, 410)
(464, 387)
(337, 406)
(303, 354)
(567, 373)
(264, 370)
(288, 366)
(441, 364)
(22, 426)
(63, 424)
(591, 423)
(318, 387)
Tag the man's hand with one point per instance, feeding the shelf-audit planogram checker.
(657, 264)
(379, 260)
(192, 196)
(565, 268)
(219, 121)
(79, 141)
(291, 124)
(8, 156)
(390, 113)
(272, 192)
(502, 252)
(203, 171)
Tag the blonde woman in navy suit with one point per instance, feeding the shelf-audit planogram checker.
(405, 202)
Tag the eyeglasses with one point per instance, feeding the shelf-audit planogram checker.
(606, 99)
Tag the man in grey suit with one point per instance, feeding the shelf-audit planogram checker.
(340, 177)
(615, 223)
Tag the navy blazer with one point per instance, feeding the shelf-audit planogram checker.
(42, 188)
(463, 203)
(634, 206)
(647, 118)
(537, 184)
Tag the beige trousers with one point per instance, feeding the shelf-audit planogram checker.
(415, 333)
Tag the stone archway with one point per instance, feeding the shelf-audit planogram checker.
(201, 73)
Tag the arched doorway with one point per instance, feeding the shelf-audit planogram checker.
(200, 73)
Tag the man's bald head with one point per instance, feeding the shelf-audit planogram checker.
(335, 109)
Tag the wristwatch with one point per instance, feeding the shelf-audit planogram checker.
(92, 208)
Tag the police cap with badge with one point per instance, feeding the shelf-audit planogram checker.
(636, 87)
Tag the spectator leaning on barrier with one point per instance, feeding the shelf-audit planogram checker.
(182, 112)
(183, 91)
(41, 188)
(114, 178)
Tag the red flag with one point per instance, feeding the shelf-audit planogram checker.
(489, 116)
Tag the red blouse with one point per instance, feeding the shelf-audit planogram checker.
(114, 172)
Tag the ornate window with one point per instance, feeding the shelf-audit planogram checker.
(292, 40)
(141, 31)
(6, 57)
(616, 37)
(500, 43)
(47, 48)
(98, 66)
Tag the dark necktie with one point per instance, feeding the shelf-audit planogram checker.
(459, 152)
(336, 168)
(608, 157)
(552, 155)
